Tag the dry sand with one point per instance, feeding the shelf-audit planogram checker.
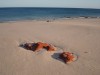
(80, 36)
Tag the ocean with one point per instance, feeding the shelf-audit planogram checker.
(16, 14)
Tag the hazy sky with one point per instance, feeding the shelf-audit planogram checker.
(51, 3)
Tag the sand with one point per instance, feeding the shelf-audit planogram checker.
(80, 36)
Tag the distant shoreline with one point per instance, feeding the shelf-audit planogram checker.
(50, 20)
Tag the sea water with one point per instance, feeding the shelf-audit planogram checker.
(34, 13)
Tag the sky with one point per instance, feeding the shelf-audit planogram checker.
(51, 3)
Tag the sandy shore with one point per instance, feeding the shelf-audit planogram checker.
(80, 36)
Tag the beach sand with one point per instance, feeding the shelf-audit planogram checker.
(80, 36)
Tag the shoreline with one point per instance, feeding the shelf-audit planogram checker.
(49, 20)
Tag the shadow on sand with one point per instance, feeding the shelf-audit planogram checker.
(23, 46)
(56, 56)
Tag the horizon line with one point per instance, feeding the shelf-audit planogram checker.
(50, 7)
